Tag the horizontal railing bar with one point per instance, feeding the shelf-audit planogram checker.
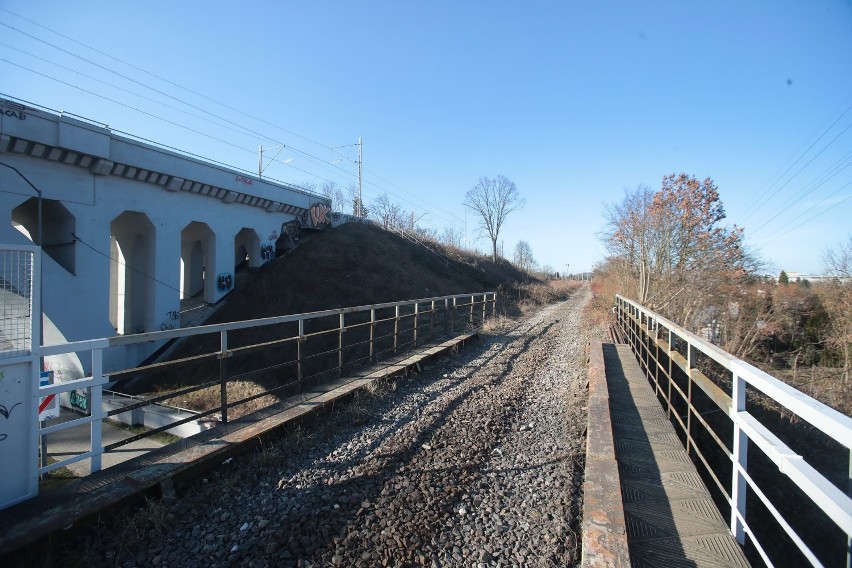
(75, 423)
(823, 417)
(68, 461)
(836, 504)
(778, 517)
(104, 343)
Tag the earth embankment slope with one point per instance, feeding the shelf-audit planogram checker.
(361, 264)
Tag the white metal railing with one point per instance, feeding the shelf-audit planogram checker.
(457, 311)
(663, 347)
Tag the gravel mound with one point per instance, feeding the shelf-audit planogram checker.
(474, 461)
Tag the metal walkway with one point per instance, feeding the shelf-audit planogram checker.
(670, 518)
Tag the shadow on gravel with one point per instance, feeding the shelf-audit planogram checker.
(315, 519)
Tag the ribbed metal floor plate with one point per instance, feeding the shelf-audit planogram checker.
(671, 519)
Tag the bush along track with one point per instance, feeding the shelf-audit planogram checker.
(474, 461)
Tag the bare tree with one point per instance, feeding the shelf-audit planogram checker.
(524, 256)
(493, 200)
(838, 262)
(387, 213)
(334, 192)
(837, 299)
(453, 236)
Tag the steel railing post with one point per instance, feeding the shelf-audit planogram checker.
(340, 346)
(372, 331)
(96, 409)
(690, 364)
(396, 328)
(455, 311)
(849, 535)
(740, 459)
(432, 322)
(416, 314)
(299, 351)
(484, 305)
(223, 374)
(471, 311)
(669, 377)
(446, 316)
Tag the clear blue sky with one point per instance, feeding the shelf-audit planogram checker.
(573, 101)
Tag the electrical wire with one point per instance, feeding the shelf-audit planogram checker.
(774, 235)
(760, 200)
(239, 128)
(124, 264)
(824, 178)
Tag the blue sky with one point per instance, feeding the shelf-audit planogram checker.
(575, 102)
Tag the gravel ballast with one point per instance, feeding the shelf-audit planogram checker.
(475, 461)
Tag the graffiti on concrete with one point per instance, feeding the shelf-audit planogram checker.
(292, 229)
(171, 320)
(267, 252)
(7, 412)
(244, 180)
(79, 400)
(225, 281)
(319, 215)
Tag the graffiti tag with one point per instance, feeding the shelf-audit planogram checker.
(7, 412)
(319, 214)
(267, 252)
(244, 180)
(12, 113)
(224, 281)
(292, 229)
(273, 236)
(79, 401)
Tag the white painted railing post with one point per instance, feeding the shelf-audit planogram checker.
(740, 461)
(96, 409)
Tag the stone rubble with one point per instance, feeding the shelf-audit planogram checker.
(475, 461)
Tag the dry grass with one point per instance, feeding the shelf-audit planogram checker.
(209, 398)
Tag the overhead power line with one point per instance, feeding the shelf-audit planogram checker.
(325, 165)
(761, 200)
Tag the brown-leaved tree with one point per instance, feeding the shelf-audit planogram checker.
(671, 249)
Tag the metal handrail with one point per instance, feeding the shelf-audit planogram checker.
(473, 305)
(653, 337)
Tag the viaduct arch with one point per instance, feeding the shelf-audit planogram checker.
(129, 228)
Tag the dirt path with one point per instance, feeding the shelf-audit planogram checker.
(475, 461)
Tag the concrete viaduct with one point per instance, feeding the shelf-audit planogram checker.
(130, 229)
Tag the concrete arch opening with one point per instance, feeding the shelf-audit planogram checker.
(132, 273)
(247, 249)
(197, 260)
(58, 228)
(247, 254)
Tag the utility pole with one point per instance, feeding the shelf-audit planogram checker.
(360, 207)
(260, 160)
